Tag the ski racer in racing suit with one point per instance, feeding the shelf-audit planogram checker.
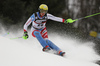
(38, 28)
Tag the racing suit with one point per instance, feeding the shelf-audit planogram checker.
(38, 28)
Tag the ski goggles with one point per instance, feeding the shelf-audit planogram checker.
(43, 11)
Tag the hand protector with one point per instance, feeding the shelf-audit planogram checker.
(69, 21)
(25, 36)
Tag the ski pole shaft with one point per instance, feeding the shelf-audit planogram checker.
(16, 38)
(87, 16)
(5, 34)
(92, 15)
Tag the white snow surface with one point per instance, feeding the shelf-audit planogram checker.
(20, 52)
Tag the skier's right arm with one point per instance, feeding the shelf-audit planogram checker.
(28, 22)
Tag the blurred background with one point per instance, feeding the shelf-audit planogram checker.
(14, 13)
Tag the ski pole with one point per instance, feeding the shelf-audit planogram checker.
(87, 16)
(16, 38)
(5, 34)
(20, 37)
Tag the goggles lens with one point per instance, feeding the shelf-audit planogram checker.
(43, 11)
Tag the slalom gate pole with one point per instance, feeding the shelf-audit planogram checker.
(87, 16)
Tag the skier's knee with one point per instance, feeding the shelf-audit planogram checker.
(36, 33)
(47, 41)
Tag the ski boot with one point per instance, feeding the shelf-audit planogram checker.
(46, 48)
(61, 53)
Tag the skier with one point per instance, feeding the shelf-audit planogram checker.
(38, 28)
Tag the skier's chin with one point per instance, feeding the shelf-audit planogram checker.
(42, 14)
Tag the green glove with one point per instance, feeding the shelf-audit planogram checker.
(69, 20)
(25, 36)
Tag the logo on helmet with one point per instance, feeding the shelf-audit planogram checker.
(45, 7)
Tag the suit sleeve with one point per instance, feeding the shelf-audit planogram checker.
(58, 19)
(28, 22)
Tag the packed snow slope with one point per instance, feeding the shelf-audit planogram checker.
(20, 52)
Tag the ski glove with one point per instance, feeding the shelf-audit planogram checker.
(69, 21)
(25, 36)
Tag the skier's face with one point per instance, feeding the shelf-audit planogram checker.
(42, 14)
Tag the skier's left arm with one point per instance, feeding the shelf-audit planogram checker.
(59, 19)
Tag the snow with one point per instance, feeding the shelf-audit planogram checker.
(20, 52)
